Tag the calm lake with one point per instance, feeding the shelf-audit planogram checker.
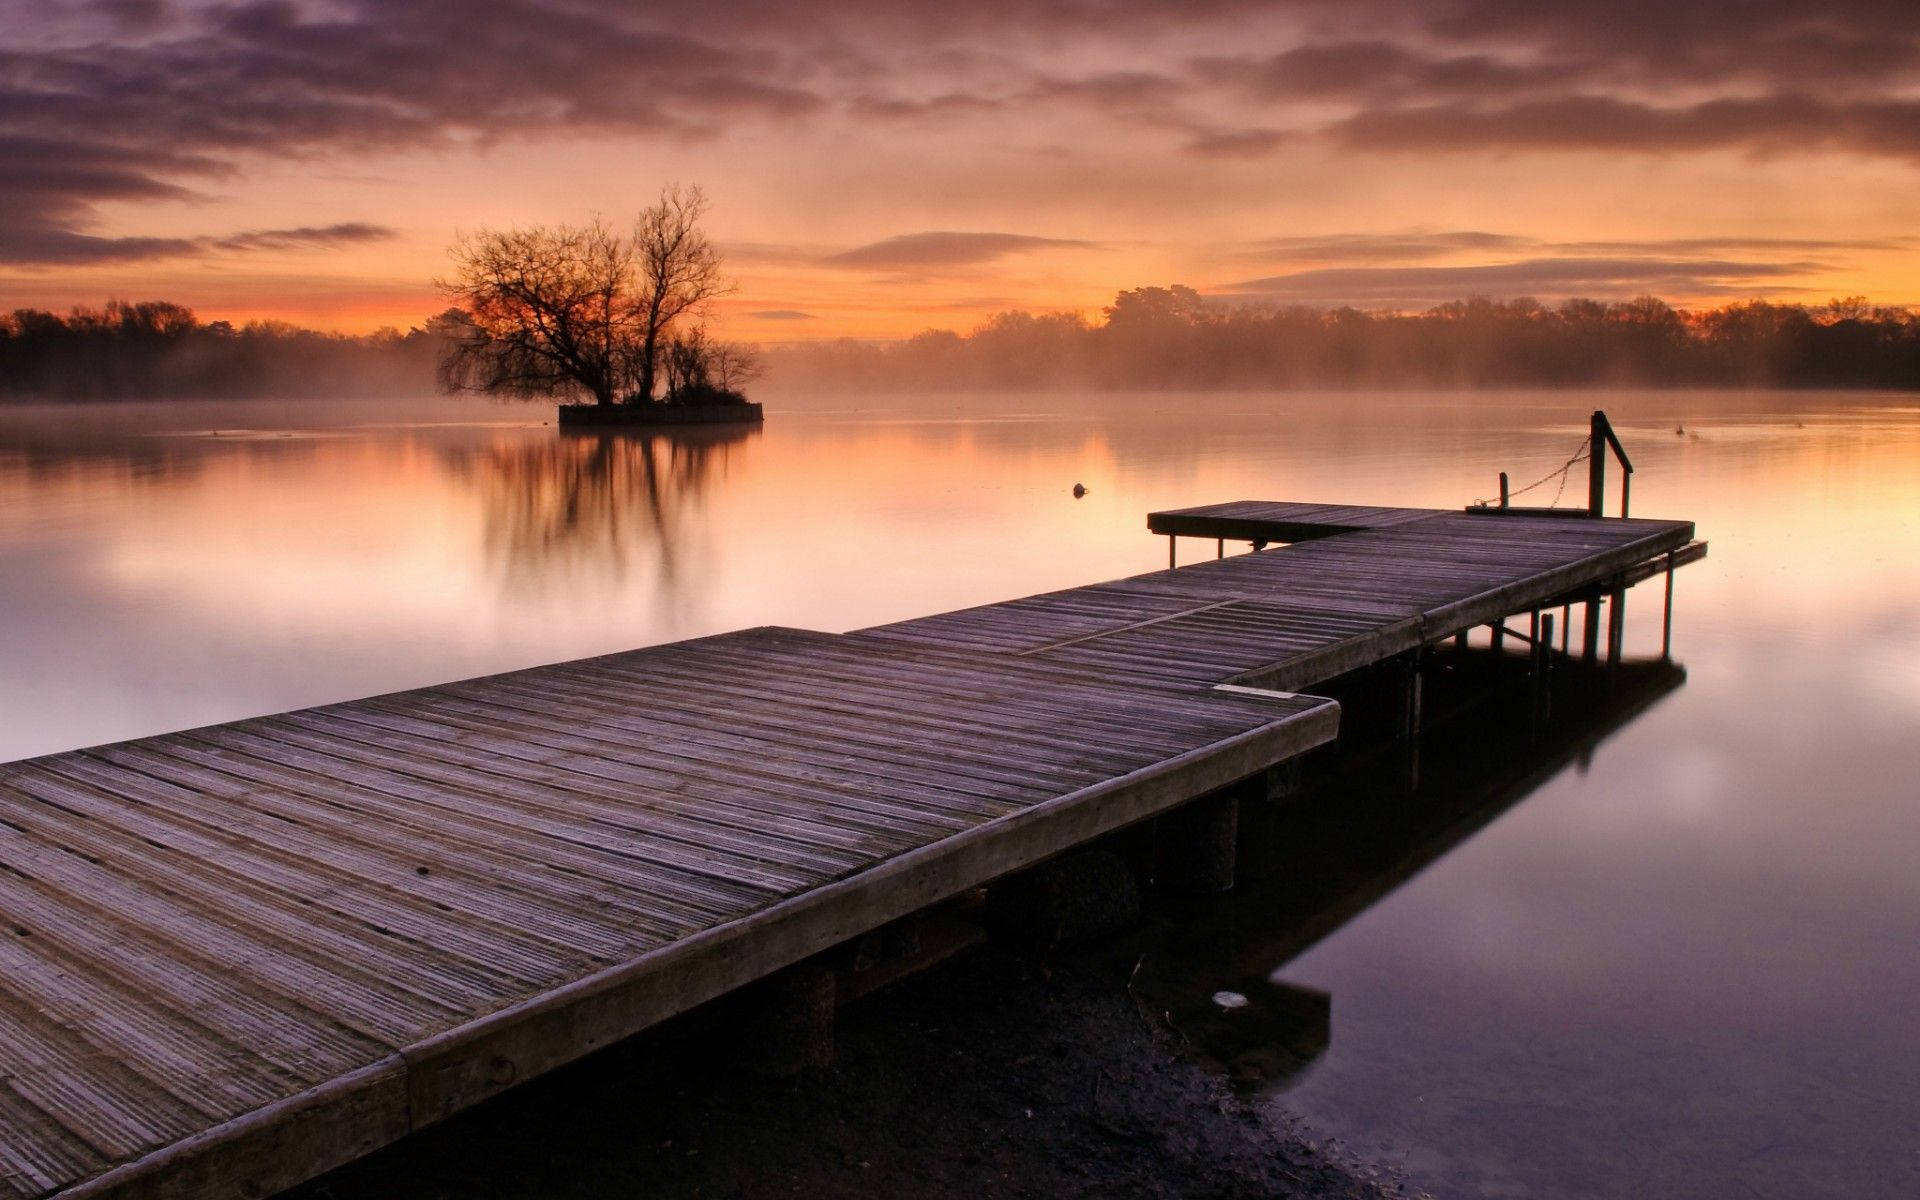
(1685, 967)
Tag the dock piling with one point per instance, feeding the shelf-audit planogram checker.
(1540, 710)
(1410, 698)
(1263, 812)
(1616, 624)
(786, 1023)
(1071, 898)
(1666, 616)
(1196, 845)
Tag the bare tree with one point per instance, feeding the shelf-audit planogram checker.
(685, 362)
(702, 369)
(732, 366)
(679, 269)
(556, 309)
(551, 309)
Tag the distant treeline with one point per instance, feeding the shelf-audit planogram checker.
(1148, 338)
(1174, 338)
(161, 351)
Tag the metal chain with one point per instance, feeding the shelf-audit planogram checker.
(1586, 448)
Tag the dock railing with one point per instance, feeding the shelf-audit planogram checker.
(1601, 440)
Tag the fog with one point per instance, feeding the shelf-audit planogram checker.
(1147, 339)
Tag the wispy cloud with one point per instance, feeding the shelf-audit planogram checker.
(303, 238)
(1238, 143)
(922, 251)
(27, 244)
(1418, 245)
(1546, 278)
(1407, 246)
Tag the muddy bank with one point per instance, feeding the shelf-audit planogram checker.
(1001, 1073)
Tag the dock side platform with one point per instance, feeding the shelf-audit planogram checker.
(234, 957)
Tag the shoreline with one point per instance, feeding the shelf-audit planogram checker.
(998, 1073)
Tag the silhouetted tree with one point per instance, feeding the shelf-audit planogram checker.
(701, 369)
(679, 270)
(156, 350)
(557, 309)
(1173, 337)
(550, 309)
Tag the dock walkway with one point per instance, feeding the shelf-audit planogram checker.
(233, 957)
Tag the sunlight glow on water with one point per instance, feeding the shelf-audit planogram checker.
(1685, 970)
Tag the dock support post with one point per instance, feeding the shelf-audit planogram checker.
(1597, 465)
(1170, 562)
(1666, 618)
(1410, 715)
(1590, 641)
(1197, 845)
(1566, 626)
(1541, 708)
(1082, 894)
(1460, 640)
(1497, 634)
(1616, 625)
(1263, 816)
(788, 1022)
(1219, 547)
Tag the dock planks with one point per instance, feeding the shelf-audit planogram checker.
(233, 957)
(237, 955)
(1360, 585)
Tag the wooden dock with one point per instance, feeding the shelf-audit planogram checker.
(233, 957)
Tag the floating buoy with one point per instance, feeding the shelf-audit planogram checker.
(1079, 490)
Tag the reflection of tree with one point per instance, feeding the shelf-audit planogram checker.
(586, 503)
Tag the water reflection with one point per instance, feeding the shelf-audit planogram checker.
(1693, 959)
(593, 503)
(1212, 968)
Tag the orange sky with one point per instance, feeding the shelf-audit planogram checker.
(875, 172)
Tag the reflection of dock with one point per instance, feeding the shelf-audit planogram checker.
(242, 954)
(1353, 841)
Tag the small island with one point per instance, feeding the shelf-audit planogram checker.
(575, 416)
(583, 310)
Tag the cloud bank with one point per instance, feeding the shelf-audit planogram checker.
(110, 107)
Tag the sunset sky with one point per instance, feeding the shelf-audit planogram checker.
(881, 168)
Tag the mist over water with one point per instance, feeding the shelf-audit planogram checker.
(1682, 969)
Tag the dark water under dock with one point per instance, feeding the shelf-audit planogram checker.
(1681, 968)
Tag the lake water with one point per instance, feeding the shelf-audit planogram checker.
(1687, 968)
